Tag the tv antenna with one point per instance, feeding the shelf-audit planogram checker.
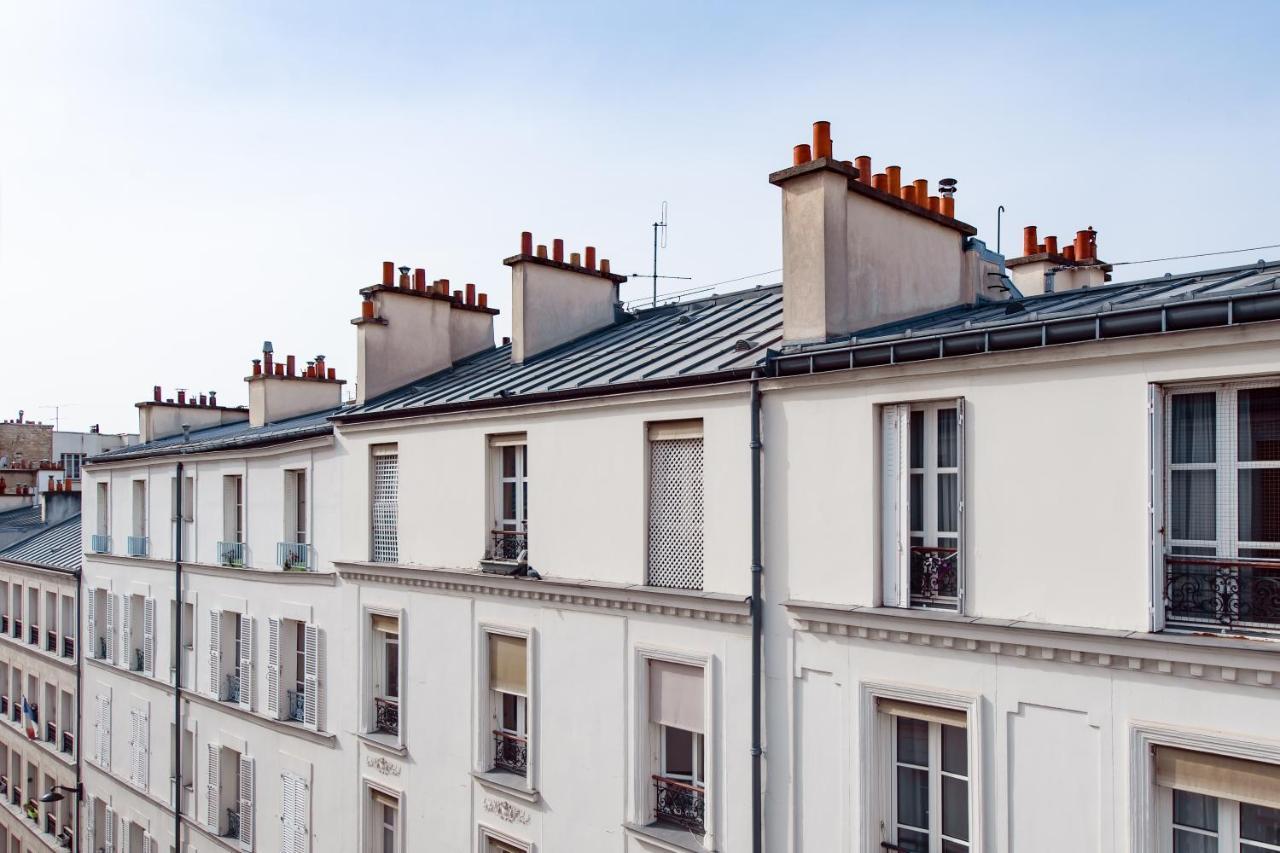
(660, 241)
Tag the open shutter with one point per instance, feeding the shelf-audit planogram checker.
(246, 803)
(93, 623)
(297, 807)
(895, 514)
(109, 831)
(91, 826)
(110, 644)
(313, 671)
(961, 518)
(213, 791)
(246, 662)
(149, 637)
(126, 635)
(144, 748)
(134, 743)
(1155, 505)
(215, 653)
(273, 668)
(148, 844)
(103, 751)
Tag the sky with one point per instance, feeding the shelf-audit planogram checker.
(181, 181)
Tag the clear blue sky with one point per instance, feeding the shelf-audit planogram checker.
(180, 181)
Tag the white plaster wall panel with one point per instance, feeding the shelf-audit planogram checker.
(1054, 776)
(822, 748)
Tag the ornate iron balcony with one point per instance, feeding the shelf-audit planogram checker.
(136, 663)
(386, 715)
(508, 544)
(934, 577)
(297, 704)
(68, 743)
(293, 556)
(100, 543)
(510, 752)
(102, 648)
(680, 803)
(1222, 594)
(231, 554)
(138, 546)
(233, 823)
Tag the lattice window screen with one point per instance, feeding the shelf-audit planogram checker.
(675, 513)
(386, 507)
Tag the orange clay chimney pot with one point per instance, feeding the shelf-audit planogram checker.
(526, 243)
(1069, 252)
(935, 204)
(863, 165)
(922, 191)
(1029, 240)
(894, 173)
(542, 250)
(388, 273)
(366, 310)
(821, 139)
(1051, 244)
(949, 206)
(557, 250)
(800, 155)
(591, 257)
(471, 294)
(880, 181)
(483, 300)
(420, 280)
(575, 260)
(909, 194)
(604, 265)
(1082, 245)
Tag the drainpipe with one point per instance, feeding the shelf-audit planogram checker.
(177, 659)
(757, 622)
(79, 706)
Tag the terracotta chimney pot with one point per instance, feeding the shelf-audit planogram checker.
(909, 194)
(471, 294)
(800, 154)
(935, 204)
(591, 257)
(366, 309)
(575, 259)
(420, 280)
(863, 165)
(526, 242)
(1051, 244)
(922, 191)
(1029, 240)
(821, 139)
(388, 273)
(542, 250)
(557, 250)
(880, 181)
(949, 206)
(1069, 252)
(894, 174)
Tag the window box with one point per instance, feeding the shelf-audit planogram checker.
(231, 554)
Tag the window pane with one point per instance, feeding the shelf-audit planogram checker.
(948, 502)
(1193, 426)
(508, 500)
(913, 742)
(510, 712)
(1193, 842)
(913, 797)
(1260, 505)
(917, 439)
(917, 501)
(953, 847)
(393, 669)
(948, 446)
(508, 461)
(955, 808)
(679, 751)
(1192, 504)
(1195, 810)
(915, 842)
(1259, 823)
(1259, 424)
(955, 751)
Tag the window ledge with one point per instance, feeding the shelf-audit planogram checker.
(667, 838)
(384, 742)
(508, 783)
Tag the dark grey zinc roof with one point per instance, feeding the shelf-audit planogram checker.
(57, 547)
(670, 344)
(228, 437)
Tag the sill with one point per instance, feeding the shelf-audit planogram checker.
(666, 837)
(508, 783)
(492, 566)
(384, 741)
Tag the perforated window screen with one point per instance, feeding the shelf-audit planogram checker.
(386, 507)
(675, 513)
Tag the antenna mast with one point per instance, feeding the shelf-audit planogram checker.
(658, 227)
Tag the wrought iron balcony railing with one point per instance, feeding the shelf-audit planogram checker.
(293, 556)
(15, 711)
(1222, 594)
(233, 823)
(136, 663)
(68, 647)
(508, 544)
(33, 635)
(68, 743)
(138, 546)
(231, 554)
(17, 629)
(4, 706)
(386, 715)
(679, 803)
(102, 648)
(100, 543)
(934, 579)
(4, 785)
(51, 641)
(510, 752)
(50, 733)
(231, 692)
(4, 624)
(297, 704)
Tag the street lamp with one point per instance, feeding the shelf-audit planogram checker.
(55, 794)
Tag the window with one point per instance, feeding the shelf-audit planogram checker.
(100, 615)
(1215, 804)
(231, 550)
(137, 633)
(295, 801)
(386, 674)
(497, 845)
(928, 789)
(922, 458)
(509, 702)
(71, 465)
(101, 539)
(385, 505)
(675, 504)
(508, 537)
(231, 658)
(294, 662)
(294, 553)
(138, 531)
(229, 794)
(102, 731)
(139, 746)
(1222, 505)
(677, 720)
(383, 822)
(187, 528)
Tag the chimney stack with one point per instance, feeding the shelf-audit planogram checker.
(275, 395)
(1046, 268)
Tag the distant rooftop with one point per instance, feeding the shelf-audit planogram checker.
(56, 547)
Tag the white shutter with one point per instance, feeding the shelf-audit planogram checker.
(135, 741)
(144, 748)
(93, 624)
(295, 835)
(1155, 504)
(962, 519)
(91, 826)
(896, 518)
(110, 656)
(103, 725)
(385, 510)
(215, 653)
(246, 803)
(149, 637)
(213, 791)
(273, 668)
(109, 832)
(313, 678)
(148, 844)
(246, 662)
(676, 548)
(126, 634)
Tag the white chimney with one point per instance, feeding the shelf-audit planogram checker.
(1043, 268)
(278, 390)
(554, 302)
(161, 417)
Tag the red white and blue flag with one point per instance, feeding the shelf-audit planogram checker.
(29, 720)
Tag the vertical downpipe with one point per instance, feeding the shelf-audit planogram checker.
(79, 805)
(757, 623)
(177, 658)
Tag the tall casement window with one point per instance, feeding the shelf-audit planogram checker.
(1221, 534)
(229, 796)
(231, 550)
(385, 650)
(101, 539)
(295, 813)
(383, 831)
(231, 657)
(922, 504)
(138, 546)
(677, 738)
(71, 465)
(927, 784)
(509, 702)
(509, 464)
(384, 511)
(294, 554)
(295, 662)
(1214, 804)
(187, 518)
(675, 504)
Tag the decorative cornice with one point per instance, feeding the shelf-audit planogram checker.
(1230, 660)
(678, 603)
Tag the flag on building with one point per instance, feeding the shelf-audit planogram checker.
(29, 719)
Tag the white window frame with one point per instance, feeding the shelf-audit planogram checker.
(1227, 833)
(877, 753)
(372, 823)
(375, 657)
(489, 833)
(489, 700)
(233, 502)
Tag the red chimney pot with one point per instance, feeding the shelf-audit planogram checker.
(388, 273)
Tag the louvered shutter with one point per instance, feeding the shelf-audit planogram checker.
(313, 678)
(1155, 506)
(126, 635)
(91, 826)
(273, 668)
(109, 831)
(110, 643)
(144, 748)
(246, 662)
(93, 623)
(134, 743)
(103, 753)
(213, 791)
(962, 519)
(215, 653)
(246, 803)
(895, 482)
(148, 844)
(149, 637)
(295, 798)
